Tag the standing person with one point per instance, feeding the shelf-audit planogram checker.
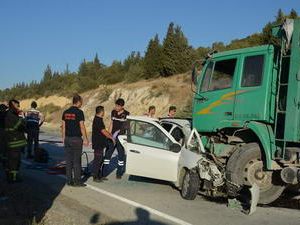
(117, 127)
(74, 136)
(151, 111)
(3, 110)
(34, 119)
(15, 139)
(172, 111)
(101, 139)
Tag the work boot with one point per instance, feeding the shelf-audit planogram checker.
(70, 183)
(29, 156)
(119, 177)
(81, 184)
(97, 179)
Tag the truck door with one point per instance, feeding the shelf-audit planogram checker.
(214, 102)
(252, 99)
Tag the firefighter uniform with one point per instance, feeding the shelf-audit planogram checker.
(15, 139)
(3, 109)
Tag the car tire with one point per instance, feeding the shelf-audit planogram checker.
(190, 185)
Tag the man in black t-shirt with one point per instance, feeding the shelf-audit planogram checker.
(73, 130)
(116, 128)
(101, 139)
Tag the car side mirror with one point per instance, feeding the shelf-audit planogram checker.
(175, 147)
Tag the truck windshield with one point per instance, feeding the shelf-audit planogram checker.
(218, 75)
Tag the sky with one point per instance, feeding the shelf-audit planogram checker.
(35, 33)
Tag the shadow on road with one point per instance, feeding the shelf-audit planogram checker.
(143, 218)
(27, 202)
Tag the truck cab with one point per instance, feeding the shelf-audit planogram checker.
(246, 108)
(235, 87)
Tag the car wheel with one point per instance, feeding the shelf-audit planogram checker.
(190, 185)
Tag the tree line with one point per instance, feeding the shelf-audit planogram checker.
(172, 55)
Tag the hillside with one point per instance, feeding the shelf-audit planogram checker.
(161, 92)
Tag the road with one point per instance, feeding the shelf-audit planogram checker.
(147, 201)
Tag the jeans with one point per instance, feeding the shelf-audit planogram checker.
(73, 148)
(32, 137)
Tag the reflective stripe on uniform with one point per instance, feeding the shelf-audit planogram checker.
(16, 144)
(120, 163)
(14, 174)
(14, 127)
(106, 161)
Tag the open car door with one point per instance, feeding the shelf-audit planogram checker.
(151, 151)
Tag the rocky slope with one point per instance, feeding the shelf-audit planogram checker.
(161, 92)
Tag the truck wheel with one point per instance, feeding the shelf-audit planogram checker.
(190, 185)
(245, 167)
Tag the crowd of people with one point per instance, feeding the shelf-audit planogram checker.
(14, 124)
(104, 141)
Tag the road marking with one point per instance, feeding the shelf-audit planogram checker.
(127, 201)
(138, 205)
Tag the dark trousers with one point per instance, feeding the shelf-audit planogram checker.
(121, 157)
(32, 137)
(13, 163)
(97, 163)
(3, 155)
(73, 148)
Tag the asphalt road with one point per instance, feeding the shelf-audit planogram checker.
(136, 200)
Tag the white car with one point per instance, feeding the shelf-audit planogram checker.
(169, 150)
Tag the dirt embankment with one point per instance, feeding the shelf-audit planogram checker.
(161, 92)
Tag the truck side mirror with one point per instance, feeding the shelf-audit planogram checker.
(194, 75)
(196, 70)
(175, 147)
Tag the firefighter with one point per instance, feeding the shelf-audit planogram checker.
(34, 119)
(3, 110)
(15, 139)
(74, 137)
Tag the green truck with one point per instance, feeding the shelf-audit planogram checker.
(246, 107)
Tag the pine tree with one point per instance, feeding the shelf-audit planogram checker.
(293, 14)
(168, 63)
(83, 71)
(153, 58)
(97, 62)
(280, 17)
(183, 61)
(177, 54)
(47, 74)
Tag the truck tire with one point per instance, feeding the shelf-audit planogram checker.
(245, 167)
(190, 185)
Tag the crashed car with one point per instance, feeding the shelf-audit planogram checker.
(168, 149)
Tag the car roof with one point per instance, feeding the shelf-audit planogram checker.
(143, 118)
(179, 121)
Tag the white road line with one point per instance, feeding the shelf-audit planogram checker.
(129, 202)
(138, 205)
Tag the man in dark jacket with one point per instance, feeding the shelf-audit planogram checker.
(15, 139)
(3, 110)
